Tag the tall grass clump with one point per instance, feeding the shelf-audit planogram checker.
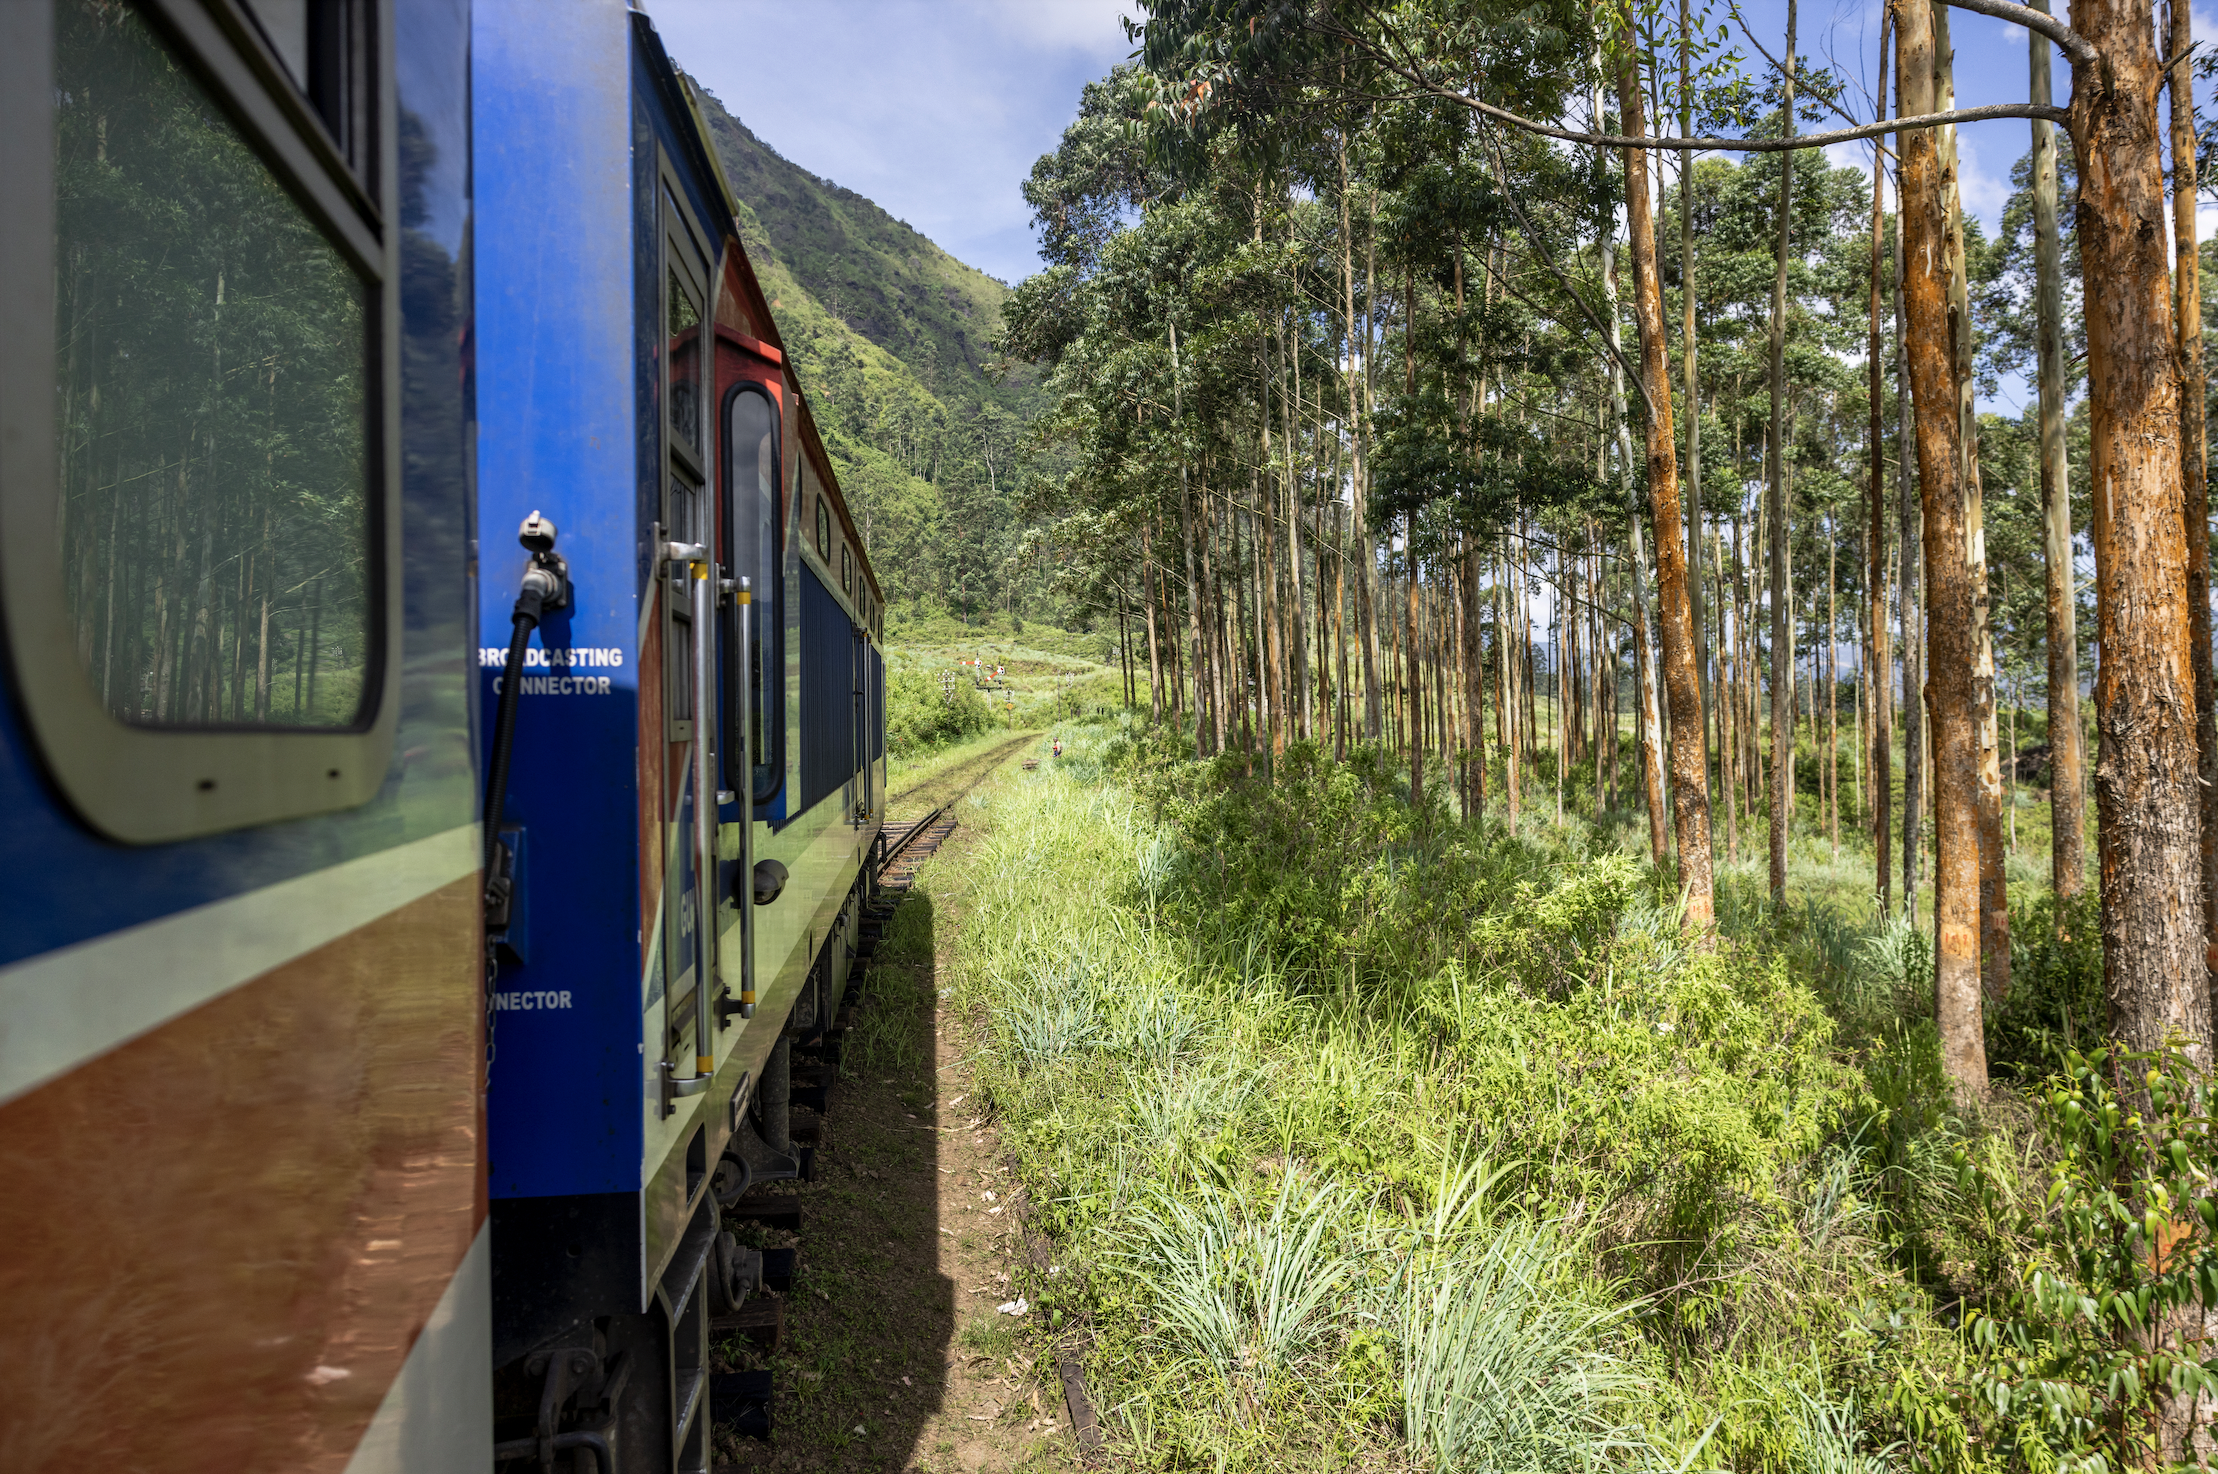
(1505, 1356)
(1244, 1287)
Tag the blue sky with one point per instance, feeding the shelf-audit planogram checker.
(935, 109)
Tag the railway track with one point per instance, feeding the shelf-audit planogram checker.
(946, 787)
(904, 847)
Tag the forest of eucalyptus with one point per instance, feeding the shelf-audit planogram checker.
(1535, 457)
(1604, 450)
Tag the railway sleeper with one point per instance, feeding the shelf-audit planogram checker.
(762, 1321)
(742, 1402)
(768, 1210)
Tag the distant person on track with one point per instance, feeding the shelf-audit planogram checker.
(1058, 747)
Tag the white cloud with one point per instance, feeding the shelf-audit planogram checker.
(1986, 190)
(1078, 24)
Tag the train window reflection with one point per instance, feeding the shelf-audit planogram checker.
(212, 379)
(754, 502)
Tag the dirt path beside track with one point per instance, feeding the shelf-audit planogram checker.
(897, 1356)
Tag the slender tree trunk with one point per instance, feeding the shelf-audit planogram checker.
(1832, 657)
(2194, 446)
(1367, 614)
(1880, 667)
(1411, 676)
(2146, 772)
(1728, 701)
(1690, 807)
(1505, 691)
(2067, 851)
(1950, 691)
(1647, 728)
(1688, 340)
(1300, 705)
(1155, 651)
(1340, 639)
(1474, 695)
(1910, 547)
(1186, 531)
(1994, 895)
(1782, 658)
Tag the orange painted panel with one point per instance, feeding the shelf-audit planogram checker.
(219, 1241)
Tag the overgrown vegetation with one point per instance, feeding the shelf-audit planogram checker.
(1372, 1135)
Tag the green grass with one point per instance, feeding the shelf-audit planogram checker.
(1050, 674)
(1252, 1042)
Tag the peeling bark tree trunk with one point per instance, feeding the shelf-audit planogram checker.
(1994, 896)
(2145, 775)
(1909, 549)
(2194, 450)
(2067, 850)
(1647, 725)
(1688, 344)
(1689, 800)
(1949, 692)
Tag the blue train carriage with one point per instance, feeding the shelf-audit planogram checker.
(241, 1025)
(680, 647)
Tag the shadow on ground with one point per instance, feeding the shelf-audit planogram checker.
(863, 1363)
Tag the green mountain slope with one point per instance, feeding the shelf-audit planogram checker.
(891, 336)
(874, 273)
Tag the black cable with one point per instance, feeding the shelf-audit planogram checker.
(528, 606)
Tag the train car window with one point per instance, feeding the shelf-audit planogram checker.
(686, 514)
(824, 531)
(827, 692)
(284, 24)
(321, 44)
(194, 548)
(846, 571)
(685, 362)
(685, 527)
(751, 459)
(214, 456)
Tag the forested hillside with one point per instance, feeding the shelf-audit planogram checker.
(894, 341)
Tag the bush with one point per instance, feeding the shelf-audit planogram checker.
(2119, 1270)
(2056, 998)
(921, 718)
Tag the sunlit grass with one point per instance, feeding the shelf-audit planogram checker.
(1252, 1158)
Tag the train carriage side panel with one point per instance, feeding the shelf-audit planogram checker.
(557, 311)
(263, 1024)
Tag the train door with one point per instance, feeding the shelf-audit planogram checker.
(753, 642)
(688, 588)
